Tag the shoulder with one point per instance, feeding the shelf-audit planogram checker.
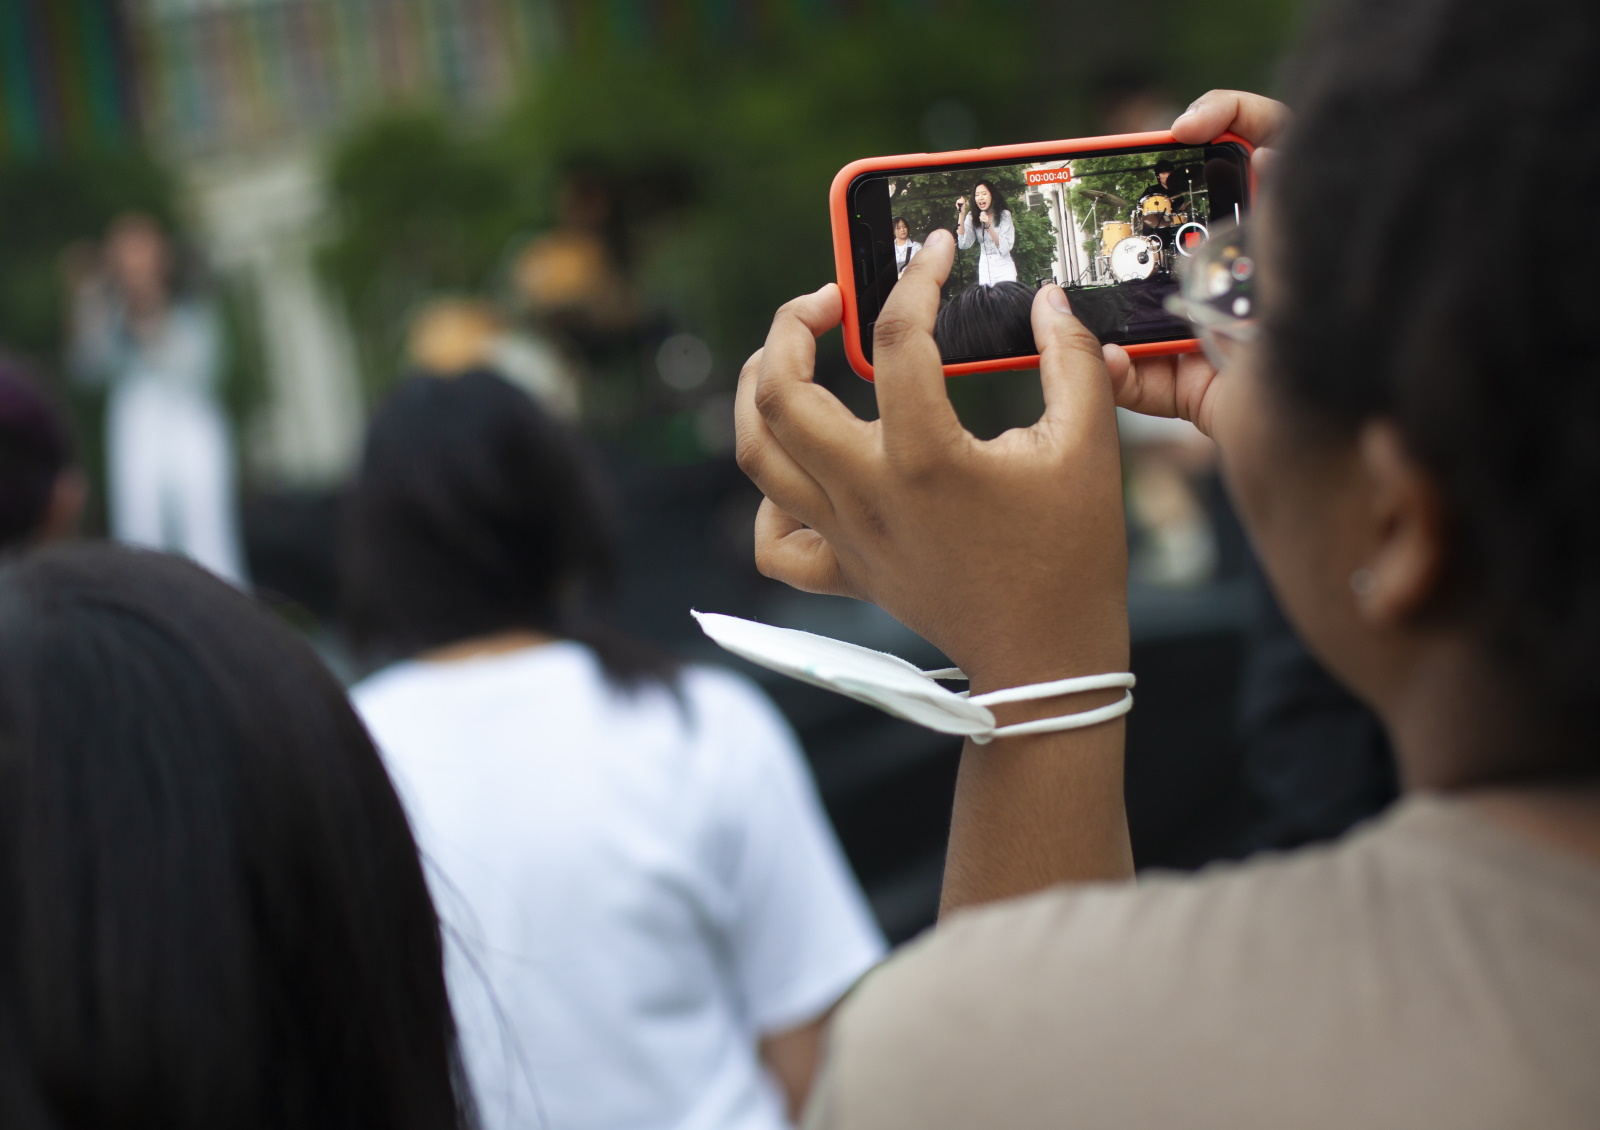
(383, 686)
(726, 704)
(392, 698)
(1104, 1000)
(1083, 942)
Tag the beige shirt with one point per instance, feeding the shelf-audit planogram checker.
(1431, 970)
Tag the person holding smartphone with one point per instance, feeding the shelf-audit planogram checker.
(991, 229)
(1413, 455)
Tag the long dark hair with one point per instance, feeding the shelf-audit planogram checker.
(212, 912)
(475, 512)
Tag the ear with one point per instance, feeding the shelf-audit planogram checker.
(1408, 533)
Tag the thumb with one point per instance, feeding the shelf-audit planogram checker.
(1071, 366)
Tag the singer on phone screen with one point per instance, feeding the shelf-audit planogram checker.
(991, 228)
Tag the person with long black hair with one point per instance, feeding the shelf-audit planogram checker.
(987, 222)
(649, 915)
(1416, 457)
(212, 912)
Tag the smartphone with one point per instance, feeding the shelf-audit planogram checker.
(1110, 219)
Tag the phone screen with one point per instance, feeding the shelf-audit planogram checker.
(1110, 226)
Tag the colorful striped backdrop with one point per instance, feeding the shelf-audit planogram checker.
(199, 75)
(221, 73)
(67, 75)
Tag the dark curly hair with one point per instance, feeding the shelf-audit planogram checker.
(1491, 376)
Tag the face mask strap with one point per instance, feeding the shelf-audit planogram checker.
(1078, 721)
(899, 688)
(1052, 689)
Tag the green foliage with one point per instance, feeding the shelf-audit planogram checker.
(47, 206)
(757, 124)
(422, 208)
(763, 133)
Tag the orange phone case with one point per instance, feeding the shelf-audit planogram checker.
(839, 211)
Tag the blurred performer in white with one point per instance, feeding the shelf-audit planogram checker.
(169, 457)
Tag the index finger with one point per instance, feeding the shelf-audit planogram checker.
(811, 423)
(908, 374)
(1257, 119)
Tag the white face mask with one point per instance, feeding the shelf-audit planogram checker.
(897, 687)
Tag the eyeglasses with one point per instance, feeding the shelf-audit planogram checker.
(1217, 294)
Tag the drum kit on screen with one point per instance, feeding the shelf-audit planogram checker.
(1149, 242)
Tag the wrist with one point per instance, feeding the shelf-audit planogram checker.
(1018, 660)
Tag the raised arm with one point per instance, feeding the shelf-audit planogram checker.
(966, 231)
(1008, 554)
(95, 349)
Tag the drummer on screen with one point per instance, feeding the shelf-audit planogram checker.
(1170, 188)
(991, 229)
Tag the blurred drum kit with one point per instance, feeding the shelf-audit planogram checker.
(1149, 242)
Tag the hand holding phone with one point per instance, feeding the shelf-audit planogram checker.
(1184, 386)
(915, 514)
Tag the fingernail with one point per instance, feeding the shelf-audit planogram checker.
(1058, 298)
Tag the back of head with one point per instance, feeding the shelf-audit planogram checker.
(475, 513)
(986, 321)
(1447, 281)
(33, 455)
(212, 912)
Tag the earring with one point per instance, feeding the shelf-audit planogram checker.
(1363, 582)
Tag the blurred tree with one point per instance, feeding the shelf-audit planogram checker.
(422, 208)
(56, 207)
(754, 108)
(51, 207)
(46, 206)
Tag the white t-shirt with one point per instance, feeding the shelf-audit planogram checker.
(634, 891)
